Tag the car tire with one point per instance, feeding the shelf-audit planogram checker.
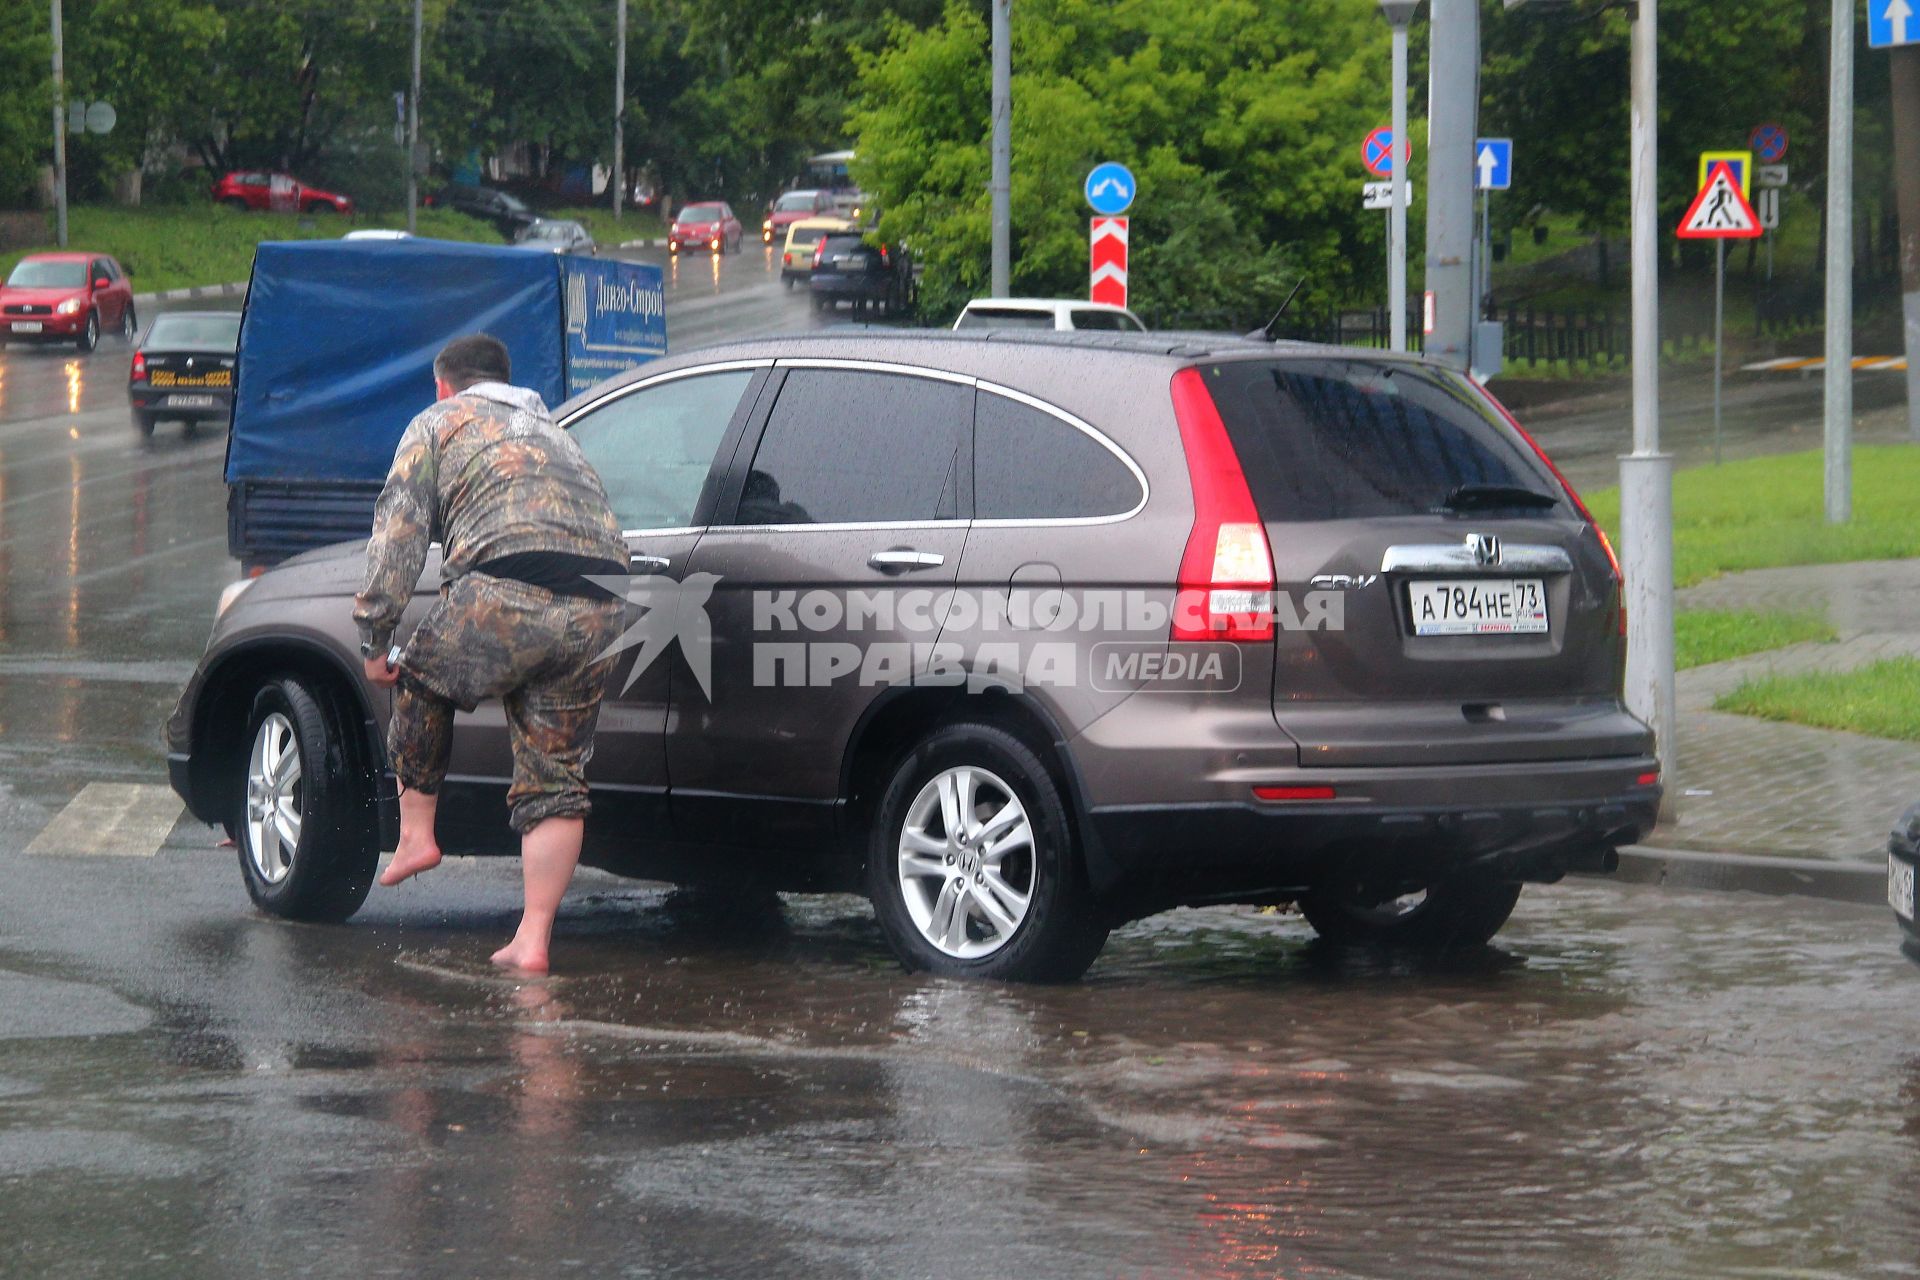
(1026, 914)
(317, 206)
(90, 336)
(129, 325)
(1456, 914)
(304, 831)
(237, 203)
(143, 424)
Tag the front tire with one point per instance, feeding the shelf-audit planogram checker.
(973, 867)
(302, 812)
(1456, 914)
(90, 336)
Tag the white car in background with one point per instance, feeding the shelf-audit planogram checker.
(1046, 313)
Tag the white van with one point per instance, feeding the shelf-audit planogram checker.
(1046, 313)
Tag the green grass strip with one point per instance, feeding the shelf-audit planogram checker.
(1703, 636)
(1881, 700)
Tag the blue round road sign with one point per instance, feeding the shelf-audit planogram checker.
(1769, 143)
(1110, 188)
(1377, 152)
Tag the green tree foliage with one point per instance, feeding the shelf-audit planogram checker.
(1242, 120)
(25, 101)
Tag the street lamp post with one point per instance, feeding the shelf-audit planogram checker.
(1399, 14)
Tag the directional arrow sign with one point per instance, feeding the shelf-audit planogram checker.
(1493, 164)
(1892, 22)
(1110, 188)
(1109, 261)
(1720, 211)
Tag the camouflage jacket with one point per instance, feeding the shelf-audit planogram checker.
(486, 474)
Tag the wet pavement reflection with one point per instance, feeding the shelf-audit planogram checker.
(1631, 1083)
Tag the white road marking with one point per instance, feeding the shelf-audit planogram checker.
(110, 820)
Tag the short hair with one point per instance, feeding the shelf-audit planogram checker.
(471, 358)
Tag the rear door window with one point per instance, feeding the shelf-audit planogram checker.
(1004, 318)
(1107, 320)
(848, 446)
(1030, 465)
(654, 447)
(1337, 440)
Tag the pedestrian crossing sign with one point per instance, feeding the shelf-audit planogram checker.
(1720, 211)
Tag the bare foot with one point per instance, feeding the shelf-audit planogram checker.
(410, 862)
(520, 957)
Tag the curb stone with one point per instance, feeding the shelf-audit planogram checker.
(1861, 883)
(233, 290)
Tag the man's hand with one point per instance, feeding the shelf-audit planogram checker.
(380, 671)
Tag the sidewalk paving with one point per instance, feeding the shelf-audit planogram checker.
(1762, 787)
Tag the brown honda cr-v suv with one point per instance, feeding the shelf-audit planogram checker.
(1022, 636)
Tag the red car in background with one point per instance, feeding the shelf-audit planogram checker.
(66, 297)
(792, 207)
(707, 225)
(276, 192)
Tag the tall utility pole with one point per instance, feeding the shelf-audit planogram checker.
(1646, 475)
(619, 103)
(413, 129)
(1839, 372)
(1399, 14)
(1906, 171)
(1453, 98)
(59, 133)
(1002, 176)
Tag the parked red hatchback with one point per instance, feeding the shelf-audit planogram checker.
(66, 297)
(708, 225)
(277, 192)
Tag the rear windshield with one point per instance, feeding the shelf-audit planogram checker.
(700, 213)
(838, 243)
(805, 237)
(196, 333)
(48, 275)
(1004, 318)
(1327, 440)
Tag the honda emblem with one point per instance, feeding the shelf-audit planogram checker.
(1485, 547)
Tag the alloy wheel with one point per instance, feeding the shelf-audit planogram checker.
(273, 799)
(966, 862)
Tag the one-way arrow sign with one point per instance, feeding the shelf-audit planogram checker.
(1890, 23)
(1720, 212)
(1493, 164)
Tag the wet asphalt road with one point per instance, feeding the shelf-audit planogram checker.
(1630, 1083)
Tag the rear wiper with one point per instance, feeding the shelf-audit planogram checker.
(1473, 497)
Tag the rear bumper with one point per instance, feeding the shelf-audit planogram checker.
(1519, 822)
(848, 286)
(1904, 846)
(145, 400)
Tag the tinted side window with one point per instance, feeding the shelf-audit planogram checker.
(1321, 440)
(1111, 320)
(653, 448)
(1029, 465)
(843, 445)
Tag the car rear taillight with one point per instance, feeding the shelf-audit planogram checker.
(883, 255)
(1294, 793)
(139, 373)
(819, 249)
(1573, 496)
(1226, 575)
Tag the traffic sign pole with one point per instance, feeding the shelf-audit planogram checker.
(1397, 227)
(1719, 334)
(1839, 370)
(1646, 475)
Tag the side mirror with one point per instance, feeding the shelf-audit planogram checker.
(101, 282)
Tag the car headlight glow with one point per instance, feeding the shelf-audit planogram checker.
(71, 306)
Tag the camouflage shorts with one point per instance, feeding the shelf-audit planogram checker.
(535, 651)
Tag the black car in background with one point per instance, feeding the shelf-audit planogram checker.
(508, 214)
(183, 369)
(865, 273)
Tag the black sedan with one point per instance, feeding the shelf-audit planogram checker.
(183, 369)
(850, 267)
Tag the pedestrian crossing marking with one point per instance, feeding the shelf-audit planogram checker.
(1796, 364)
(110, 820)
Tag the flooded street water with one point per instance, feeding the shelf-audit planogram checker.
(1631, 1083)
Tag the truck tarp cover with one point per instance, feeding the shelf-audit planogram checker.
(349, 330)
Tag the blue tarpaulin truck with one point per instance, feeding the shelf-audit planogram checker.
(336, 357)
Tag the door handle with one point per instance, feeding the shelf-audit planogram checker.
(900, 559)
(655, 563)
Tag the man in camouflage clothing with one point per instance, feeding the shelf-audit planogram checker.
(524, 522)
